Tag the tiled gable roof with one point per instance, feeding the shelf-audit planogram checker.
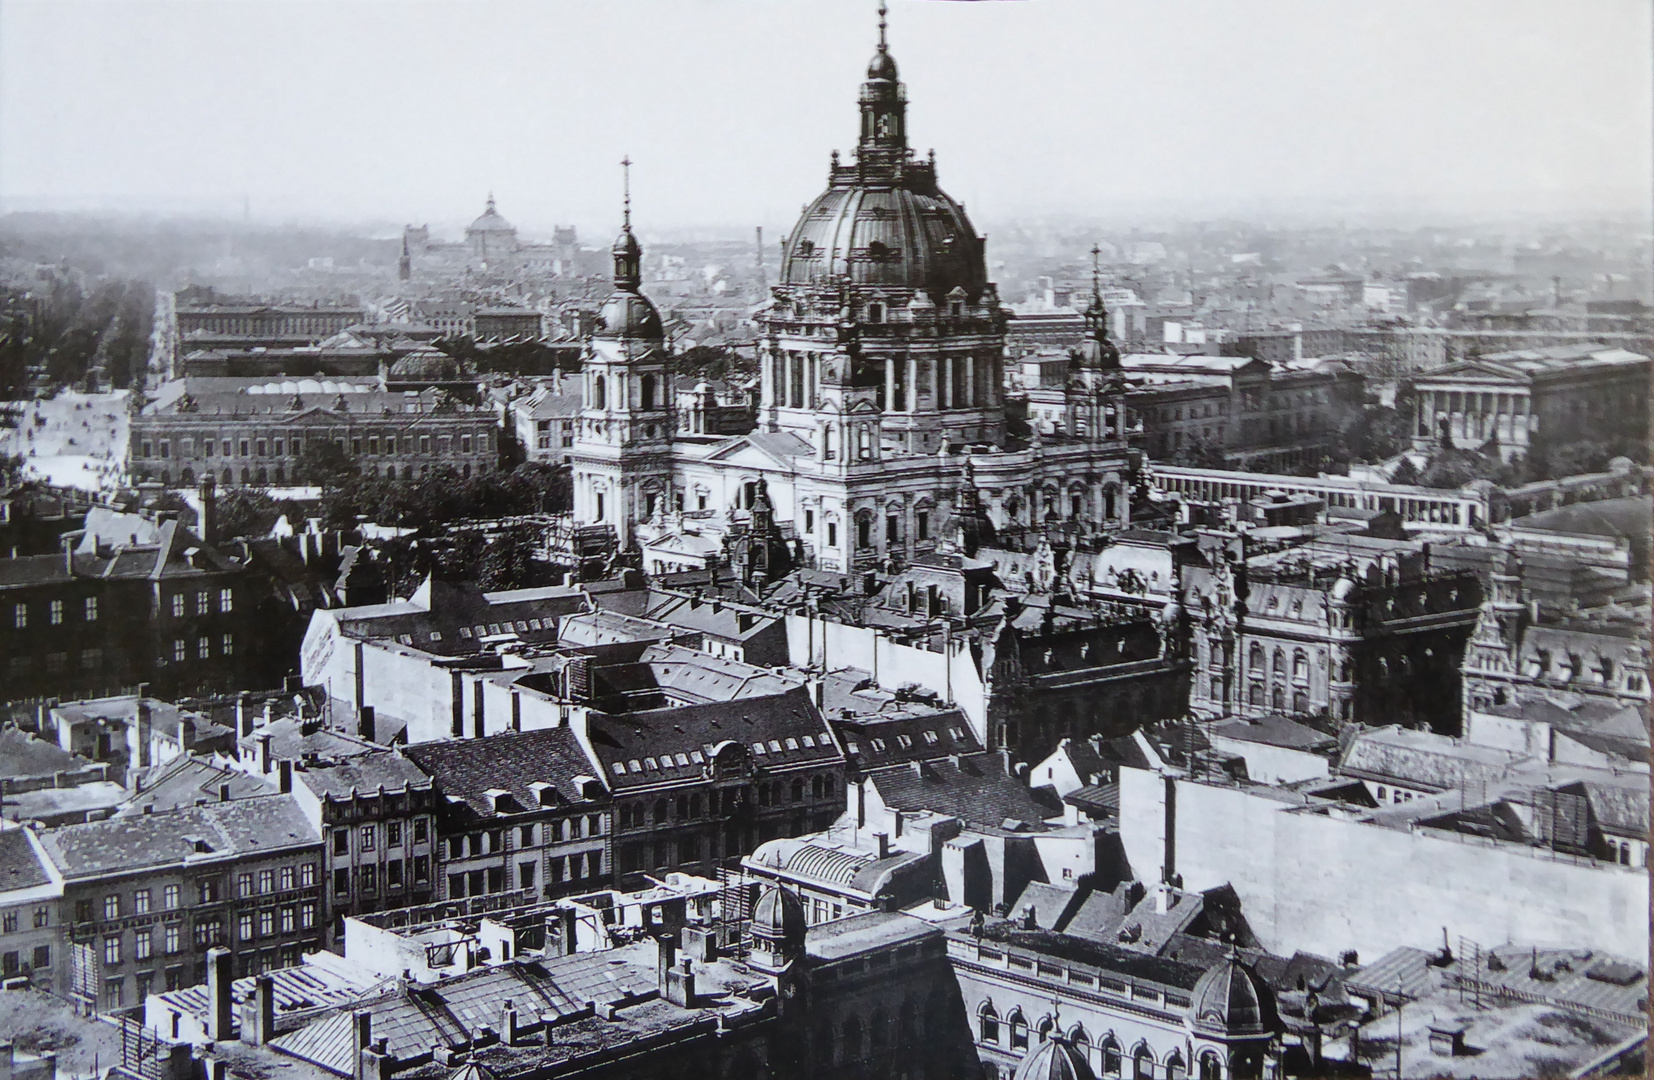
(510, 762)
(975, 788)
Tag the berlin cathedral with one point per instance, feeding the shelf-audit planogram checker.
(881, 433)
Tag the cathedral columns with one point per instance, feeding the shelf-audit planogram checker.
(912, 401)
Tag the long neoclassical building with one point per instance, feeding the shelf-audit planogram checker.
(882, 386)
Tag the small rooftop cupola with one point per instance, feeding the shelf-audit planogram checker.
(628, 254)
(1056, 1059)
(778, 926)
(883, 107)
(1098, 351)
(1231, 1003)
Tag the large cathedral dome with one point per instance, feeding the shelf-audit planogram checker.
(882, 221)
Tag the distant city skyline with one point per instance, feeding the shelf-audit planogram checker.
(370, 113)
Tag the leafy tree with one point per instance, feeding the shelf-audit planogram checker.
(325, 463)
(245, 511)
(1406, 473)
(1199, 453)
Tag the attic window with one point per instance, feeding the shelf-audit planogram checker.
(436, 635)
(619, 768)
(695, 756)
(649, 763)
(930, 737)
(958, 733)
(852, 747)
(878, 744)
(758, 748)
(792, 743)
(634, 765)
(808, 742)
(406, 639)
(904, 741)
(522, 626)
(493, 628)
(534, 624)
(465, 631)
(480, 629)
(775, 746)
(683, 759)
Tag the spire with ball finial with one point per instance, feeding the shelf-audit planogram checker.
(628, 254)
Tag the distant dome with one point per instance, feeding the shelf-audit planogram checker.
(425, 364)
(630, 315)
(778, 915)
(626, 244)
(490, 221)
(1230, 1001)
(882, 66)
(1056, 1059)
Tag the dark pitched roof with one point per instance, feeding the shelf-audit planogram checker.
(22, 754)
(975, 788)
(240, 827)
(674, 744)
(511, 761)
(1097, 954)
(20, 866)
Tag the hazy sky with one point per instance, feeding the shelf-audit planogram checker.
(352, 110)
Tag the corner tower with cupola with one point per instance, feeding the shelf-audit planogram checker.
(623, 444)
(883, 329)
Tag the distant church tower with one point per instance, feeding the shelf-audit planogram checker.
(404, 265)
(622, 448)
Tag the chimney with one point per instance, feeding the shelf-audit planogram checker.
(258, 1023)
(269, 711)
(145, 729)
(365, 722)
(508, 1023)
(896, 818)
(243, 718)
(1029, 922)
(220, 1011)
(223, 792)
(666, 949)
(209, 509)
(883, 840)
(680, 984)
(284, 782)
(264, 749)
(560, 939)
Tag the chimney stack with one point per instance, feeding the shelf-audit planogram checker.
(220, 1011)
(258, 1016)
(243, 718)
(264, 751)
(284, 774)
(883, 840)
(209, 509)
(223, 792)
(365, 722)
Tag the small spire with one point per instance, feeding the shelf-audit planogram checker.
(882, 11)
(1096, 273)
(490, 202)
(626, 185)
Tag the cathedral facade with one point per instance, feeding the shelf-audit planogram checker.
(882, 423)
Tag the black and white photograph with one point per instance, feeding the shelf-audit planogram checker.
(825, 539)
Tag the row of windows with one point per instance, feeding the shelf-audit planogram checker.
(11, 963)
(367, 876)
(182, 652)
(39, 918)
(368, 836)
(23, 666)
(1013, 1033)
(282, 879)
(57, 612)
(481, 442)
(289, 919)
(200, 602)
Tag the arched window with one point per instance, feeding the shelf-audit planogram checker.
(905, 1034)
(1280, 661)
(876, 1033)
(1175, 1069)
(1019, 1030)
(1211, 1068)
(660, 811)
(1300, 664)
(987, 1023)
(1277, 700)
(1254, 695)
(188, 475)
(1254, 657)
(864, 529)
(1300, 702)
(647, 392)
(1111, 1056)
(1079, 1038)
(852, 1039)
(229, 477)
(1046, 1024)
(798, 790)
(1142, 1063)
(600, 393)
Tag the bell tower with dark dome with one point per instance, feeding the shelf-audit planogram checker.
(884, 319)
(623, 444)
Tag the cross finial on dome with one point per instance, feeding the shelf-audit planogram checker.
(490, 202)
(626, 188)
(882, 11)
